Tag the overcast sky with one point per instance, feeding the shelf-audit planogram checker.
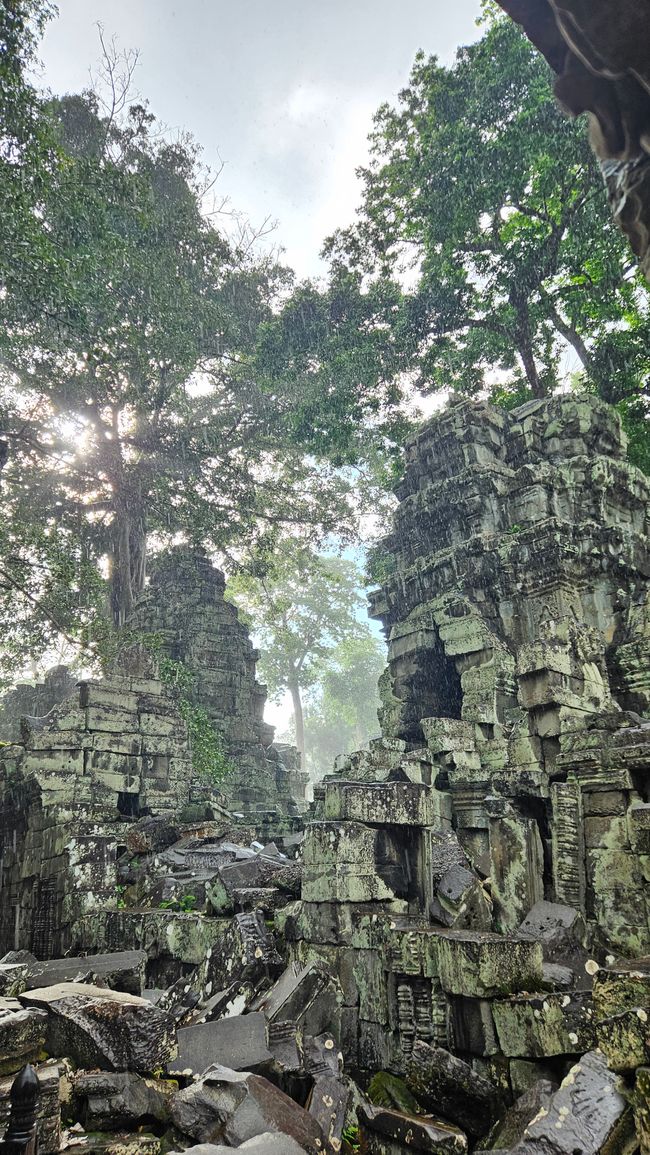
(283, 91)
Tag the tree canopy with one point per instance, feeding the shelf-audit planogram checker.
(132, 407)
(482, 257)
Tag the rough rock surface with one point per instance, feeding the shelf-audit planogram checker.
(104, 1028)
(239, 1106)
(514, 759)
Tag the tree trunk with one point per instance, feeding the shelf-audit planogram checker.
(525, 345)
(299, 722)
(571, 335)
(128, 563)
(530, 368)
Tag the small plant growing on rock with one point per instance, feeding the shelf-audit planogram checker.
(120, 901)
(352, 1136)
(184, 905)
(209, 758)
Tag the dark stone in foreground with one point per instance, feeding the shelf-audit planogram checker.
(267, 1144)
(238, 1043)
(22, 1035)
(449, 1087)
(112, 1100)
(105, 1029)
(422, 1133)
(48, 1111)
(587, 1114)
(121, 971)
(233, 1106)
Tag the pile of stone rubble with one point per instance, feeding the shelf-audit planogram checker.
(241, 1050)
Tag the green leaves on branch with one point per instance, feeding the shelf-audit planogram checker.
(484, 203)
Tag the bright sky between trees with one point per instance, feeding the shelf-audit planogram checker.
(281, 91)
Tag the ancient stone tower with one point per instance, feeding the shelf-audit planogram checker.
(514, 767)
(184, 608)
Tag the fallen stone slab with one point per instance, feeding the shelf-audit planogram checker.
(447, 1086)
(625, 1039)
(102, 1028)
(588, 1113)
(121, 971)
(622, 986)
(238, 1042)
(411, 1132)
(559, 928)
(543, 1025)
(485, 965)
(113, 1143)
(234, 1000)
(180, 999)
(308, 996)
(511, 1128)
(261, 871)
(387, 1090)
(114, 1100)
(329, 1104)
(22, 1035)
(246, 951)
(231, 1107)
(48, 1111)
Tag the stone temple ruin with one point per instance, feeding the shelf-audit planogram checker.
(184, 608)
(457, 958)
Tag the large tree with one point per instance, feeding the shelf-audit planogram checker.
(302, 606)
(131, 407)
(483, 200)
(341, 716)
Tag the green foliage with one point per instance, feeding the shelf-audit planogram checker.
(380, 565)
(352, 1136)
(130, 404)
(346, 399)
(302, 605)
(484, 202)
(635, 418)
(209, 759)
(341, 714)
(184, 905)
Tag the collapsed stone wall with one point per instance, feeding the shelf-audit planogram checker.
(34, 699)
(185, 609)
(599, 53)
(118, 750)
(469, 873)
